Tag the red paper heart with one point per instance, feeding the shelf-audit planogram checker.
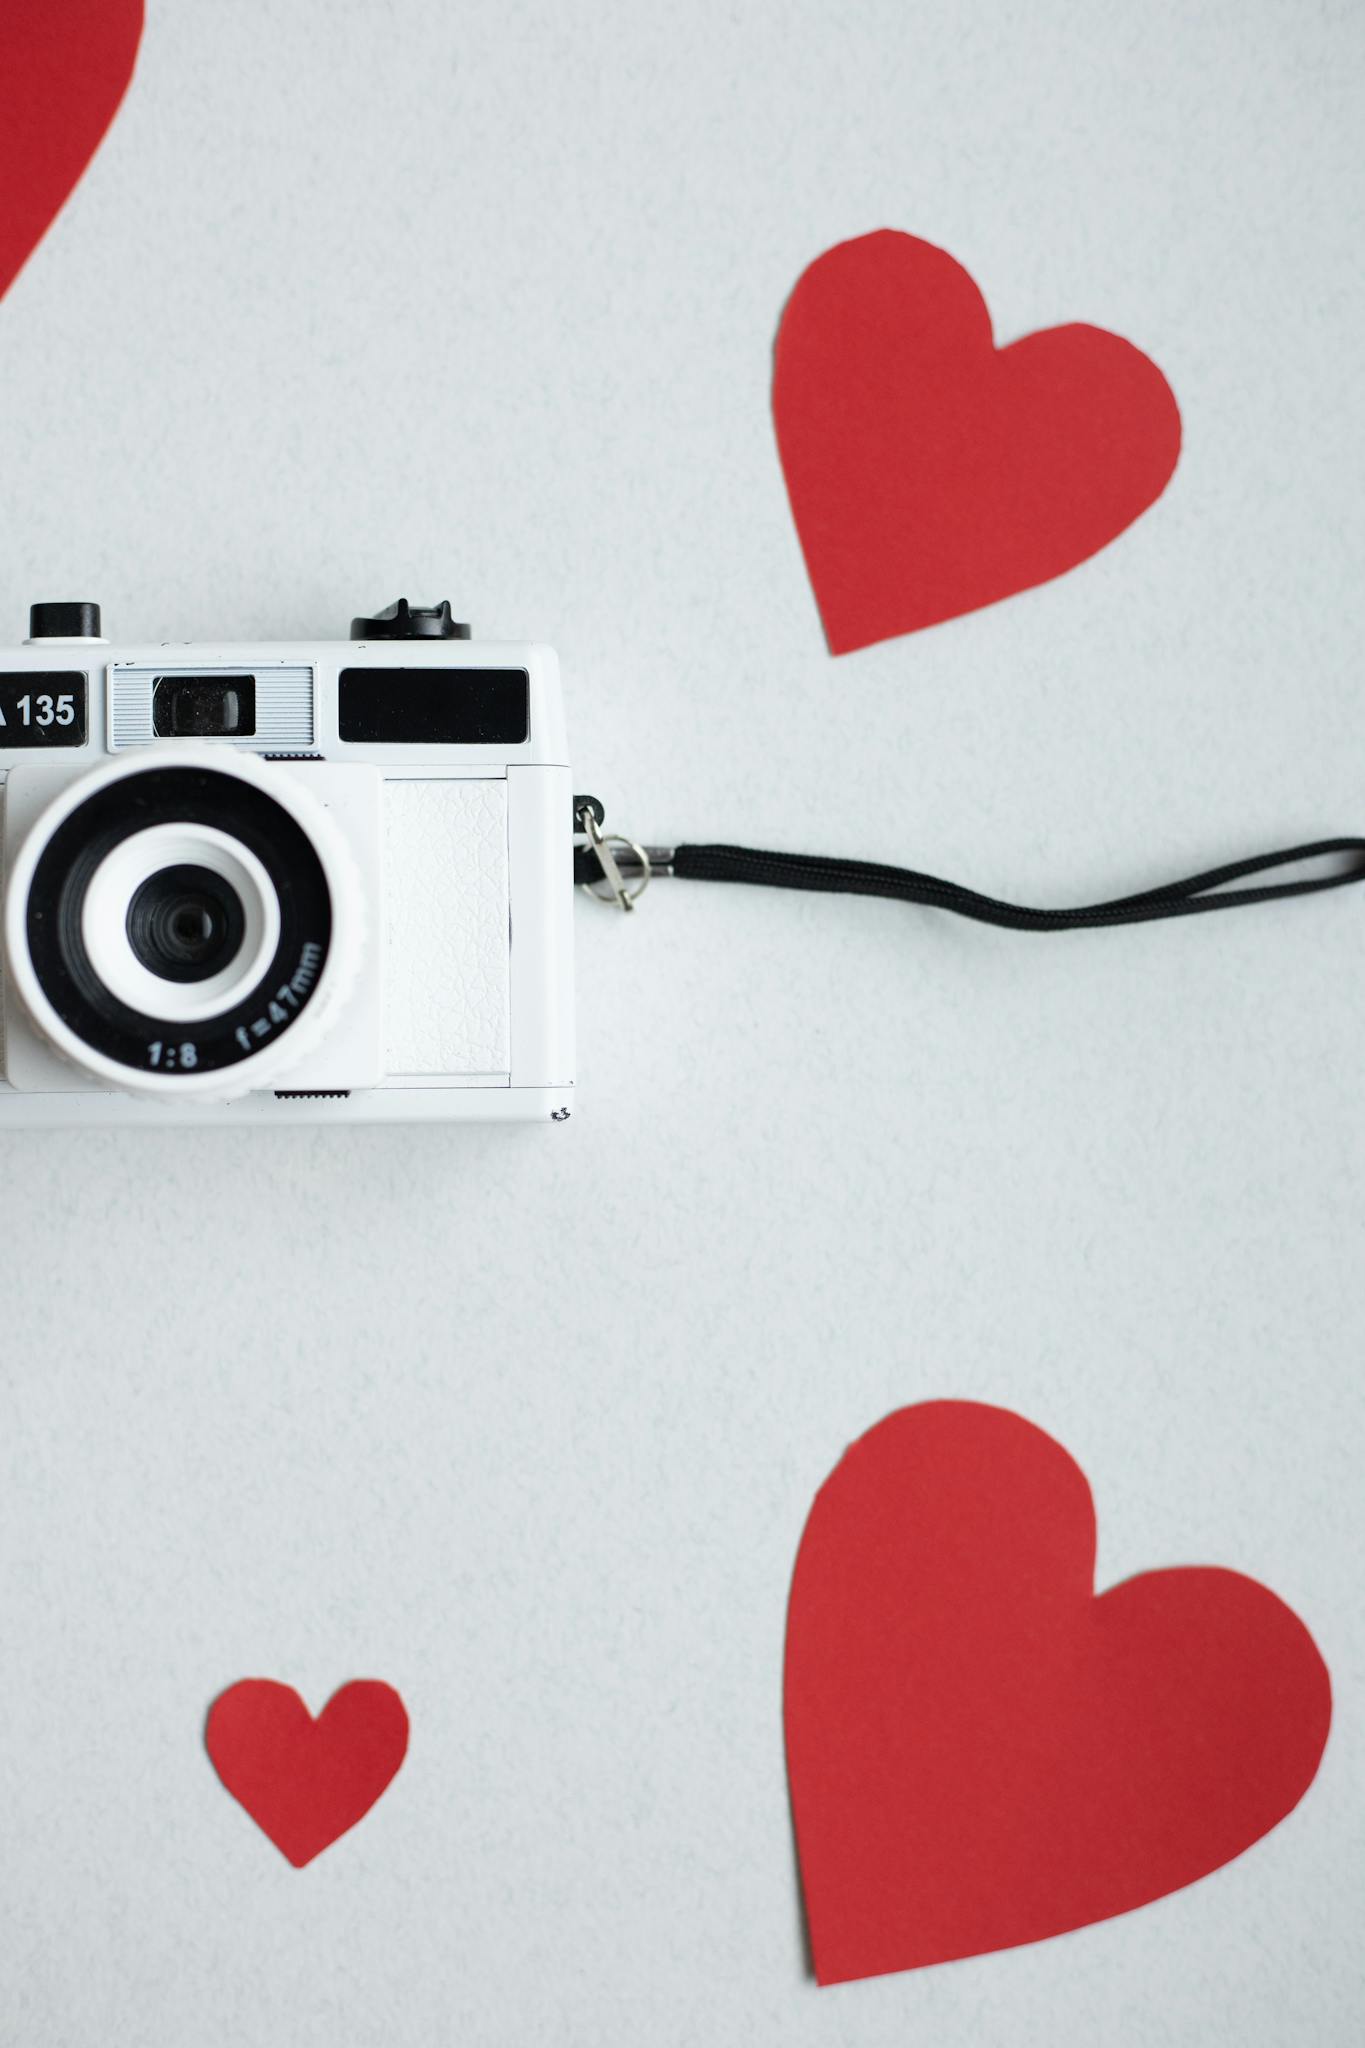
(981, 1751)
(64, 67)
(931, 473)
(305, 1782)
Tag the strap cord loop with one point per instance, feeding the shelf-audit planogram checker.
(1211, 890)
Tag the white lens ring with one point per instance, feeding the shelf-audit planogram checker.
(283, 1048)
(116, 881)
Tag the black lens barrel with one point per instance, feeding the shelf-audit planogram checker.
(185, 923)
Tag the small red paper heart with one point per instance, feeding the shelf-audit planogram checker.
(984, 1753)
(305, 1782)
(931, 473)
(64, 67)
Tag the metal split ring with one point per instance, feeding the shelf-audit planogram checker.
(619, 891)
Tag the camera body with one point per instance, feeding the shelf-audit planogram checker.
(309, 882)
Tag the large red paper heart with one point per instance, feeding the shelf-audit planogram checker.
(931, 473)
(981, 1751)
(304, 1782)
(64, 67)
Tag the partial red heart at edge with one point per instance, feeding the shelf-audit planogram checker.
(981, 1751)
(304, 1781)
(64, 67)
(931, 473)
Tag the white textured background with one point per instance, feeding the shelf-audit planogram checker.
(477, 300)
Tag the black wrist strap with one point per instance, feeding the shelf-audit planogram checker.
(1208, 891)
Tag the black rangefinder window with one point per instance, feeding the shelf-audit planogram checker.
(434, 707)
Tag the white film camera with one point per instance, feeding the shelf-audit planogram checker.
(305, 882)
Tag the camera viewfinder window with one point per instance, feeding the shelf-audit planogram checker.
(204, 707)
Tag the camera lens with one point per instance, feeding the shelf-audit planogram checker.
(182, 922)
(185, 923)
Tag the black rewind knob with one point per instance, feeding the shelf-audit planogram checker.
(404, 621)
(70, 620)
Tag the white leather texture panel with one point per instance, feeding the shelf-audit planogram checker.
(446, 946)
